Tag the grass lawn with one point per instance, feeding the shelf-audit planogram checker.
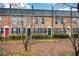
(34, 40)
(39, 47)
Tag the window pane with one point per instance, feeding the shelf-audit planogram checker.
(62, 20)
(36, 30)
(62, 30)
(15, 31)
(43, 20)
(22, 30)
(56, 30)
(76, 30)
(56, 20)
(1, 30)
(14, 20)
(36, 20)
(20, 20)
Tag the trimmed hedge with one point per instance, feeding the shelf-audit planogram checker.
(60, 35)
(17, 37)
(63, 35)
(39, 36)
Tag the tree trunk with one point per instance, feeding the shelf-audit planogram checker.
(26, 44)
(76, 53)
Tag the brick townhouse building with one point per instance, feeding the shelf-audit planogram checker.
(14, 21)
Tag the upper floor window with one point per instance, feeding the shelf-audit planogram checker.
(43, 20)
(20, 20)
(62, 20)
(75, 20)
(14, 20)
(56, 20)
(36, 20)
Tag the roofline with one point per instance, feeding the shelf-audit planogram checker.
(35, 9)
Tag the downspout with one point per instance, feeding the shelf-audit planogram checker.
(52, 22)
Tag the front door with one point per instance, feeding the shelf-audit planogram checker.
(49, 31)
(28, 31)
(6, 32)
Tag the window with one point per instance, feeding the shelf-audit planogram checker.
(36, 30)
(36, 20)
(20, 20)
(14, 30)
(56, 20)
(43, 20)
(1, 30)
(14, 20)
(43, 30)
(62, 20)
(40, 30)
(76, 30)
(62, 30)
(56, 30)
(22, 30)
(0, 18)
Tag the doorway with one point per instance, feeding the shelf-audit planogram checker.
(6, 32)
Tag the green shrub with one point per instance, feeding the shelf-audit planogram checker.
(39, 36)
(17, 37)
(76, 35)
(0, 37)
(63, 35)
(60, 35)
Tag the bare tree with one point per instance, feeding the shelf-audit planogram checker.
(29, 33)
(25, 40)
(71, 35)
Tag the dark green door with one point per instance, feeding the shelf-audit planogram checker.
(28, 31)
(49, 31)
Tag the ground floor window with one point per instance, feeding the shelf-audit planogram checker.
(1, 30)
(22, 30)
(40, 30)
(36, 30)
(44, 30)
(62, 30)
(76, 30)
(18, 30)
(14, 30)
(56, 30)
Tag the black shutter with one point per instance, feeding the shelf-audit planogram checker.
(12, 30)
(24, 30)
(1, 30)
(17, 30)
